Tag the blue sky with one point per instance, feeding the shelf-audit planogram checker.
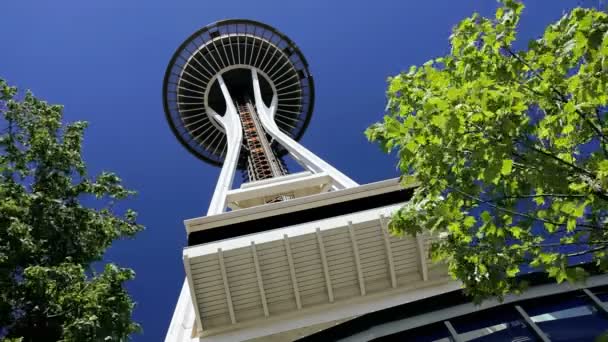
(105, 60)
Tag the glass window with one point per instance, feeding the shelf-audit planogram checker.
(436, 332)
(601, 292)
(567, 319)
(497, 324)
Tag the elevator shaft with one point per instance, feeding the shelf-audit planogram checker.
(262, 162)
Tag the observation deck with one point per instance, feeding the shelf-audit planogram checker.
(230, 50)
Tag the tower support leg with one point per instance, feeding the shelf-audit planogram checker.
(234, 136)
(307, 159)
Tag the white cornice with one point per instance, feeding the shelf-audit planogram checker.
(253, 213)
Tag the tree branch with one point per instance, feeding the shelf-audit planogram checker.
(556, 158)
(562, 98)
(516, 213)
(540, 195)
(592, 250)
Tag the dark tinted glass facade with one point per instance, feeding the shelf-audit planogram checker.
(576, 315)
(570, 316)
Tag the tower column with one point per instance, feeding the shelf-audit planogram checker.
(307, 159)
(213, 94)
(234, 135)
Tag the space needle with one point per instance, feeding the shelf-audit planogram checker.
(238, 94)
(284, 254)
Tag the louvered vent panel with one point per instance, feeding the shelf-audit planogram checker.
(209, 290)
(436, 270)
(278, 287)
(242, 278)
(275, 273)
(405, 255)
(341, 262)
(309, 269)
(372, 252)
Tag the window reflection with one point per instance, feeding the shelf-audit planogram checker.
(569, 316)
(568, 319)
(498, 324)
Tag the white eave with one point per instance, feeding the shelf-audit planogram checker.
(339, 266)
(294, 205)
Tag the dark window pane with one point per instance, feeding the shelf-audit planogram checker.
(568, 319)
(436, 332)
(601, 292)
(497, 324)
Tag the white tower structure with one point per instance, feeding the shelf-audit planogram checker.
(285, 254)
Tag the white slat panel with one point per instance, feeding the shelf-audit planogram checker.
(311, 281)
(205, 284)
(258, 272)
(347, 272)
(407, 268)
(203, 267)
(272, 272)
(307, 291)
(373, 250)
(405, 255)
(219, 309)
(275, 271)
(372, 253)
(300, 239)
(402, 242)
(341, 260)
(270, 248)
(292, 271)
(278, 281)
(422, 257)
(280, 294)
(389, 251)
(216, 321)
(209, 291)
(330, 291)
(207, 275)
(226, 286)
(243, 282)
(309, 269)
(210, 295)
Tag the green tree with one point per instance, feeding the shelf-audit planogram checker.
(48, 238)
(509, 147)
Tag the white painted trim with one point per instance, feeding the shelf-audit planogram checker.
(247, 214)
(220, 256)
(272, 180)
(292, 271)
(422, 257)
(295, 230)
(353, 239)
(316, 180)
(258, 274)
(197, 314)
(389, 252)
(183, 319)
(330, 291)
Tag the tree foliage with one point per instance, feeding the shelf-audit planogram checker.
(510, 149)
(48, 238)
